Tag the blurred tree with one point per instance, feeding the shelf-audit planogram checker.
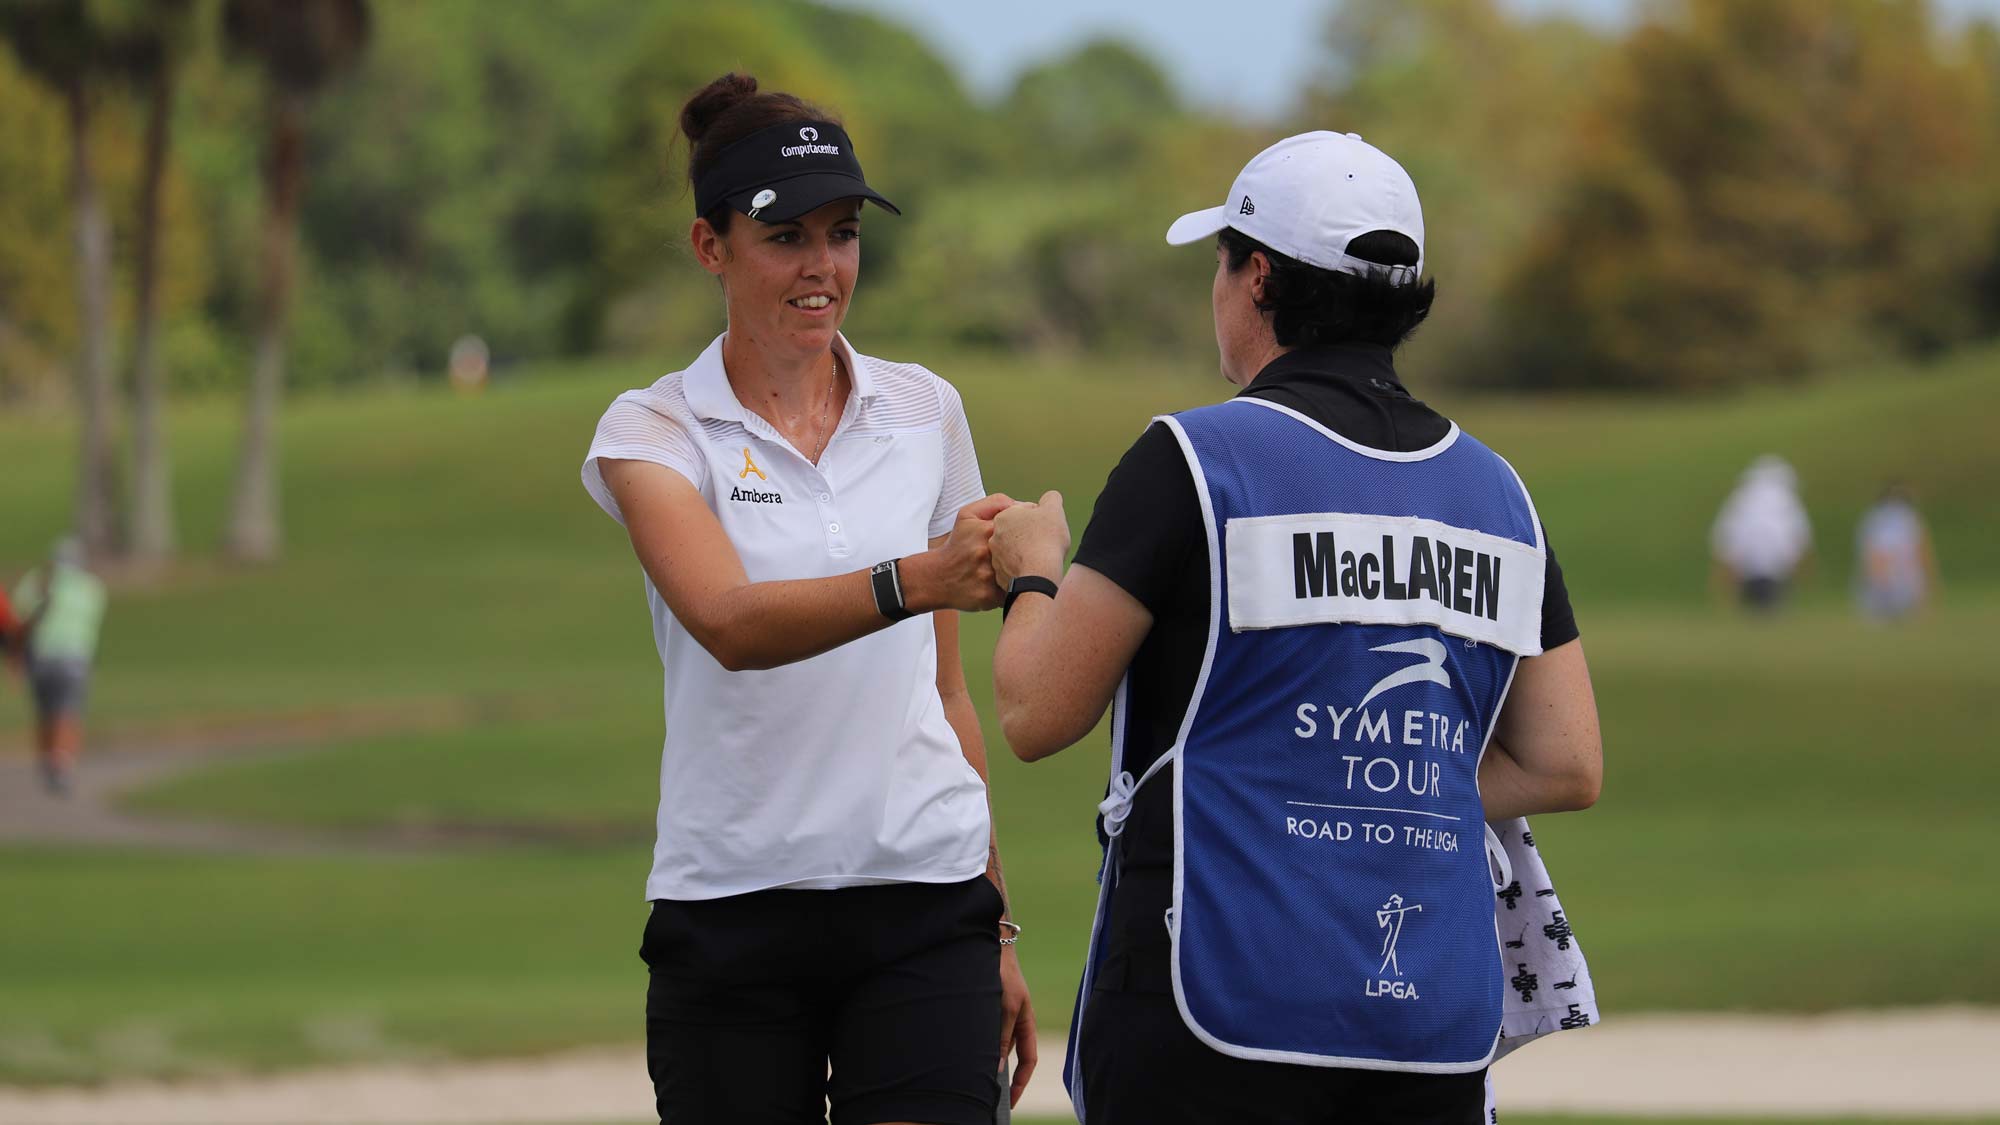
(37, 272)
(1103, 105)
(157, 33)
(66, 44)
(1064, 263)
(1982, 45)
(456, 183)
(300, 45)
(1481, 105)
(1761, 189)
(1055, 242)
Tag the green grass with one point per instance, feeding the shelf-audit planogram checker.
(124, 964)
(1781, 797)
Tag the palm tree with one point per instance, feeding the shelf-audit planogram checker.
(301, 45)
(160, 33)
(58, 41)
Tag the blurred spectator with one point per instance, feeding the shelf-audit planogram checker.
(1897, 570)
(62, 605)
(469, 364)
(1762, 536)
(10, 629)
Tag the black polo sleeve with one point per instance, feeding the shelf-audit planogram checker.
(1558, 618)
(1147, 521)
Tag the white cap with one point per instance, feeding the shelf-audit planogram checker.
(1308, 196)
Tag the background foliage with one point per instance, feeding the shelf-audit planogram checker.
(1719, 193)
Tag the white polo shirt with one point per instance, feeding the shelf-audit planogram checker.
(839, 770)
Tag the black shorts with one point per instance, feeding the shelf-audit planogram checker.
(1763, 593)
(896, 986)
(1142, 1066)
(59, 686)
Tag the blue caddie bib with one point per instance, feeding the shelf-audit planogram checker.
(1333, 901)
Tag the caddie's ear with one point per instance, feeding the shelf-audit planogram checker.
(1260, 266)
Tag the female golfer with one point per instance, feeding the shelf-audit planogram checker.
(825, 888)
(1310, 602)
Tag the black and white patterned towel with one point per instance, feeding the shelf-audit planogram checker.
(1548, 983)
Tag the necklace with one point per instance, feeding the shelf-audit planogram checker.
(825, 408)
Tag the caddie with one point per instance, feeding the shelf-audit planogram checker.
(1336, 644)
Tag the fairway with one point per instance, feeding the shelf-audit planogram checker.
(1791, 807)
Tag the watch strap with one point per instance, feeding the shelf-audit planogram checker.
(887, 581)
(1027, 584)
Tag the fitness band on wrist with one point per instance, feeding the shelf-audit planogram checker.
(1026, 584)
(1013, 932)
(887, 582)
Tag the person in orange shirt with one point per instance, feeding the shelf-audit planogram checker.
(10, 629)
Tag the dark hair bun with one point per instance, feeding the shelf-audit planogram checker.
(712, 101)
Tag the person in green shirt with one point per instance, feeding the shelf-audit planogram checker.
(61, 607)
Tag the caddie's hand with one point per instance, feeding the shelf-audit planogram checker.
(1030, 539)
(1017, 1023)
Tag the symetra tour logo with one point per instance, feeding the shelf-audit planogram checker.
(811, 145)
(1396, 755)
(1411, 728)
(1430, 671)
(1389, 919)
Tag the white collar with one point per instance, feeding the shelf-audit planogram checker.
(709, 395)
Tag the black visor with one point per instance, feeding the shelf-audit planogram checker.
(777, 174)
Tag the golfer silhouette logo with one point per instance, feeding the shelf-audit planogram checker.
(750, 466)
(1390, 919)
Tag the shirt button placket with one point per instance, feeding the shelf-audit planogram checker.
(829, 518)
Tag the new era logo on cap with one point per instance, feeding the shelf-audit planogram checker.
(1319, 192)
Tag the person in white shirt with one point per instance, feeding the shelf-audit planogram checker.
(826, 890)
(1762, 537)
(1896, 570)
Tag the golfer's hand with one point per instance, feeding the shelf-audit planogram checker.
(1030, 539)
(1017, 1023)
(962, 566)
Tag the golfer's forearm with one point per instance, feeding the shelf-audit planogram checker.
(770, 624)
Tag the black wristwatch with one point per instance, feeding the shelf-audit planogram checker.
(887, 580)
(1026, 584)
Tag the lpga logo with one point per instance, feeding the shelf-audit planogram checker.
(811, 147)
(1390, 920)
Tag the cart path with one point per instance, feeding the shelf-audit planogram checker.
(1919, 1062)
(90, 813)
